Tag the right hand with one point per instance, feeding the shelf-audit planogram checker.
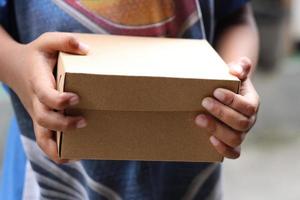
(34, 83)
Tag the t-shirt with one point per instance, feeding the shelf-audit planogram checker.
(94, 179)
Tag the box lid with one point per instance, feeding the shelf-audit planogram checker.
(144, 74)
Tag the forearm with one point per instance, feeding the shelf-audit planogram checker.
(8, 56)
(239, 38)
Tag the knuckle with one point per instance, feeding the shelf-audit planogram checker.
(219, 112)
(235, 140)
(59, 103)
(236, 155)
(223, 150)
(41, 96)
(231, 153)
(40, 119)
(244, 124)
(72, 42)
(230, 99)
(246, 60)
(214, 107)
(251, 109)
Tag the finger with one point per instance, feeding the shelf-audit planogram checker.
(241, 69)
(227, 115)
(56, 121)
(247, 105)
(55, 100)
(44, 88)
(224, 150)
(46, 141)
(222, 132)
(247, 90)
(65, 42)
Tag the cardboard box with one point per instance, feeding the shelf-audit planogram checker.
(140, 97)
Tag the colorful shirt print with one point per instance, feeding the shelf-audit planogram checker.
(134, 17)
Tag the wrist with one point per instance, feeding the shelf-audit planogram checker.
(11, 61)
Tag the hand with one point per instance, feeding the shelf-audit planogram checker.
(231, 115)
(35, 85)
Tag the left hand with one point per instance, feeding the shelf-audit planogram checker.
(231, 115)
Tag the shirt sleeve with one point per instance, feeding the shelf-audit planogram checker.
(227, 7)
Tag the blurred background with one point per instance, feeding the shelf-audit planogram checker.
(269, 167)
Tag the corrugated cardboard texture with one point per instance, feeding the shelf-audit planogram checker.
(140, 97)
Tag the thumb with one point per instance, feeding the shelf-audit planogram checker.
(241, 68)
(66, 42)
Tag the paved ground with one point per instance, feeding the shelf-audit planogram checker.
(270, 166)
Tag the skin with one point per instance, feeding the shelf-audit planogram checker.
(28, 70)
(232, 115)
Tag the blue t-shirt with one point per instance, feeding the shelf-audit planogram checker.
(28, 19)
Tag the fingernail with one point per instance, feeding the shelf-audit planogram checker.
(201, 121)
(74, 100)
(237, 68)
(81, 124)
(207, 103)
(83, 47)
(219, 94)
(214, 140)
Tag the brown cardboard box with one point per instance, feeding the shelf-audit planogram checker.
(140, 97)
